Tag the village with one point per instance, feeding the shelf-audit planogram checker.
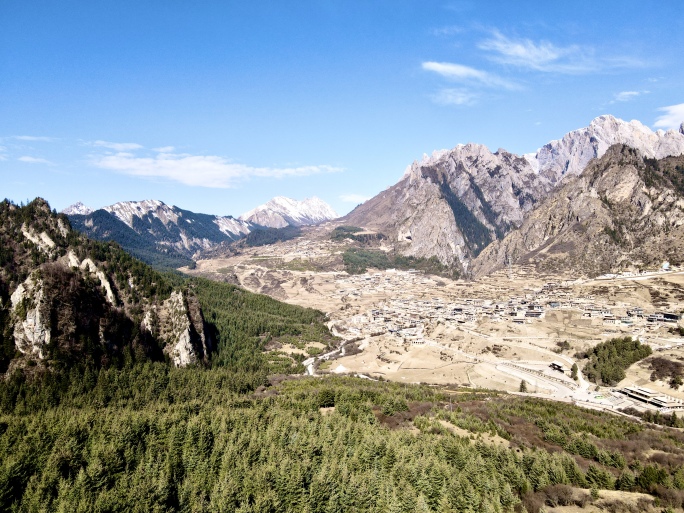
(498, 341)
(510, 327)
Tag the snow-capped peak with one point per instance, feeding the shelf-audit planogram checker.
(77, 209)
(127, 210)
(571, 154)
(281, 211)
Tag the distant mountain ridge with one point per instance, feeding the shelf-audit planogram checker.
(168, 236)
(157, 233)
(456, 202)
(77, 209)
(281, 212)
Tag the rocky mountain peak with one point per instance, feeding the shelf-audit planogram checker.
(571, 154)
(126, 211)
(78, 209)
(281, 211)
(624, 209)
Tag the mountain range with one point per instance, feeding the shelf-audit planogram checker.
(169, 236)
(624, 211)
(455, 203)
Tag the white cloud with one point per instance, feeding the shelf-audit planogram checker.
(673, 117)
(626, 96)
(454, 97)
(35, 160)
(199, 170)
(354, 198)
(164, 149)
(466, 74)
(34, 138)
(547, 57)
(117, 146)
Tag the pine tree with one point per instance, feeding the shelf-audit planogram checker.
(523, 386)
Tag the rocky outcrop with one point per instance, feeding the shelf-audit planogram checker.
(180, 325)
(31, 328)
(622, 211)
(66, 299)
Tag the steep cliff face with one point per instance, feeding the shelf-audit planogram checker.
(456, 202)
(65, 298)
(178, 322)
(453, 204)
(624, 210)
(31, 328)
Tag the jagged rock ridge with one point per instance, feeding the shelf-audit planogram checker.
(281, 211)
(456, 202)
(625, 210)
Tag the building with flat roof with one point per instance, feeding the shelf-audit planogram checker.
(648, 396)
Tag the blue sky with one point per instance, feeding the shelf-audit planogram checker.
(217, 106)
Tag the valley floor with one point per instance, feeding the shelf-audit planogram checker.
(492, 333)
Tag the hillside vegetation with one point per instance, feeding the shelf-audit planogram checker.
(359, 260)
(163, 439)
(609, 360)
(265, 236)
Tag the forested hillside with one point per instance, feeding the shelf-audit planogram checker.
(69, 304)
(154, 438)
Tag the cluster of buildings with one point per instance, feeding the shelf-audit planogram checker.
(405, 317)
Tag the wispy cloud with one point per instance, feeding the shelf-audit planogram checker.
(354, 198)
(673, 117)
(117, 146)
(199, 170)
(468, 75)
(447, 31)
(546, 57)
(627, 96)
(455, 97)
(165, 149)
(34, 138)
(3, 150)
(35, 160)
